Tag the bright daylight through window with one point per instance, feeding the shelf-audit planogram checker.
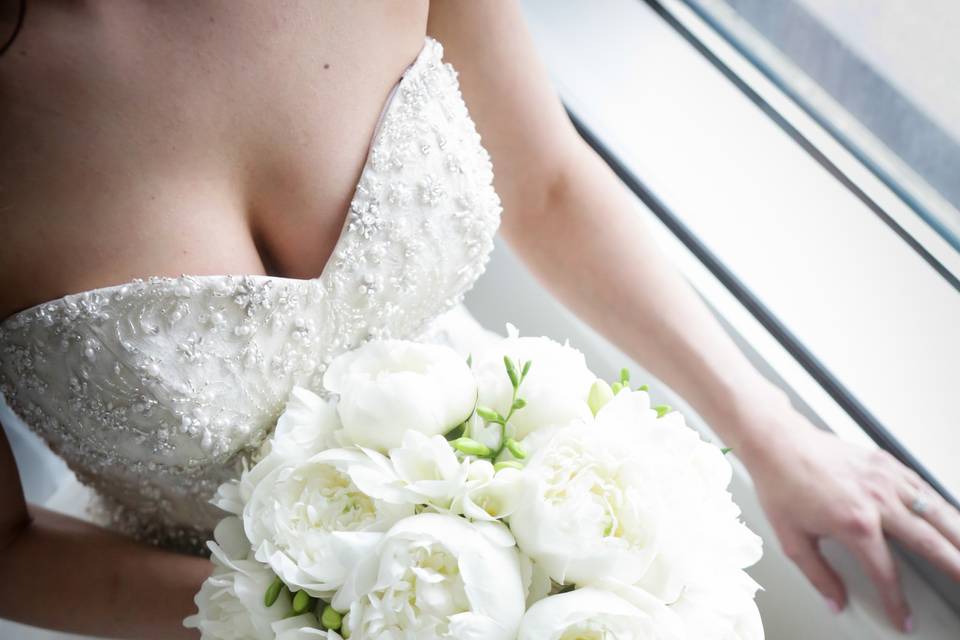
(880, 74)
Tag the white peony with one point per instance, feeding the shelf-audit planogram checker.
(725, 609)
(307, 426)
(309, 521)
(590, 511)
(230, 602)
(702, 538)
(598, 614)
(556, 388)
(632, 497)
(389, 387)
(436, 576)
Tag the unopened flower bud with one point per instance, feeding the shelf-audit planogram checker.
(301, 602)
(331, 618)
(515, 448)
(511, 371)
(273, 592)
(470, 447)
(488, 414)
(600, 394)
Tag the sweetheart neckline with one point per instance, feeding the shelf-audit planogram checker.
(108, 289)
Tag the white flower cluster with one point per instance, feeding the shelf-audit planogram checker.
(512, 497)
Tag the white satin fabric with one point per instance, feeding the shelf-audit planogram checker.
(156, 391)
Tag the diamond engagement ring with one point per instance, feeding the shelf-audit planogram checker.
(920, 505)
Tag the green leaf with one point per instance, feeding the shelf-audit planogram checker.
(662, 410)
(456, 432)
(471, 447)
(625, 377)
(301, 602)
(526, 369)
(519, 403)
(470, 360)
(643, 387)
(273, 592)
(616, 387)
(726, 450)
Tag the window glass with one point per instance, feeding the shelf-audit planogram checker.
(881, 75)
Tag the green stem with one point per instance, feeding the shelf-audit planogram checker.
(503, 424)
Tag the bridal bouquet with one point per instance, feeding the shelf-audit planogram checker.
(511, 496)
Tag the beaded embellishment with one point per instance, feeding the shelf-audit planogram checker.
(156, 391)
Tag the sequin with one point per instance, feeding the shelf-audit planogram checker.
(156, 391)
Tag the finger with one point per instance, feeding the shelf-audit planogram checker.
(804, 551)
(924, 539)
(874, 554)
(941, 514)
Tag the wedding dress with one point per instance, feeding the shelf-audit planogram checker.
(156, 391)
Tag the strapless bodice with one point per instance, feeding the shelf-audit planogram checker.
(156, 391)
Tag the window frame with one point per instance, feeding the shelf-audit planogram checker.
(796, 367)
(858, 140)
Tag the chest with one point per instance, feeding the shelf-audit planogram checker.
(225, 139)
(154, 391)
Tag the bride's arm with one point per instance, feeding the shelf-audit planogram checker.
(577, 227)
(61, 573)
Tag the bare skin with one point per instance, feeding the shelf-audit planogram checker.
(142, 138)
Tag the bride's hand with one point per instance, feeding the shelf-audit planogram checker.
(812, 485)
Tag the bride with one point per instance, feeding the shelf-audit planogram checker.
(322, 153)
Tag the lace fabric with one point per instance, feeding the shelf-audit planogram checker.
(156, 391)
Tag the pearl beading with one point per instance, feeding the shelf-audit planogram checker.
(156, 391)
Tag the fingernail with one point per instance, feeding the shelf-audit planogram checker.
(833, 605)
(908, 624)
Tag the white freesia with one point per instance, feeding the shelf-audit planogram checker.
(298, 628)
(598, 614)
(389, 387)
(556, 388)
(429, 469)
(488, 494)
(310, 521)
(436, 576)
(230, 602)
